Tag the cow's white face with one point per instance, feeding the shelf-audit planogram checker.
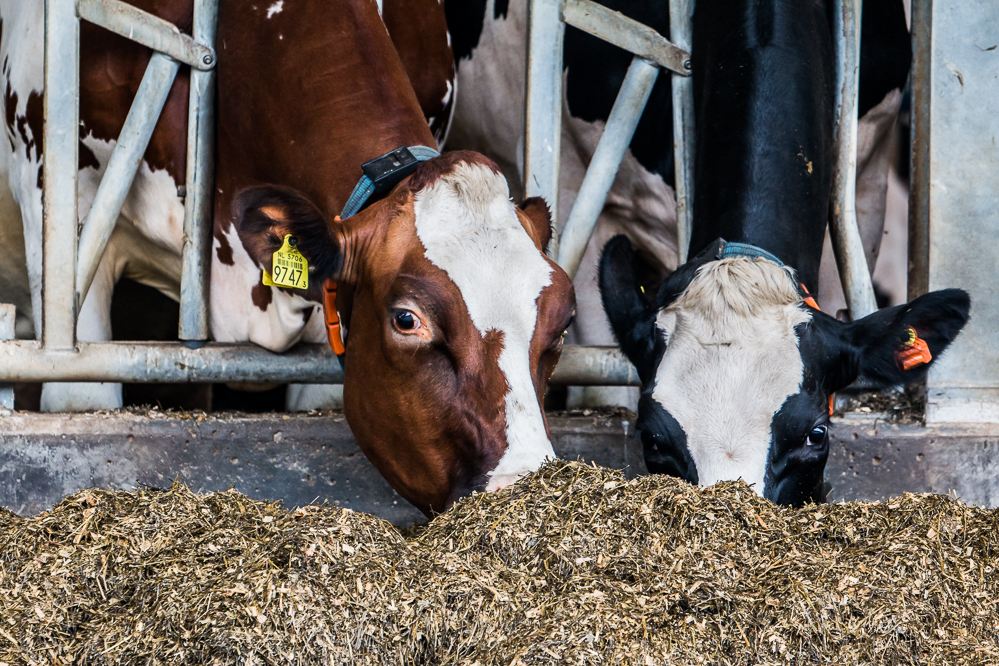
(731, 361)
(737, 369)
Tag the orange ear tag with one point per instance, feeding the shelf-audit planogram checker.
(914, 352)
(331, 316)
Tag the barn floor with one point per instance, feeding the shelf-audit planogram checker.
(304, 458)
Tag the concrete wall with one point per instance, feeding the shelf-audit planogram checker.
(300, 459)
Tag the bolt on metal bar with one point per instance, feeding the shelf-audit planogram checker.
(149, 30)
(919, 122)
(630, 35)
(543, 130)
(603, 168)
(847, 244)
(196, 269)
(59, 174)
(26, 361)
(7, 313)
(681, 18)
(122, 166)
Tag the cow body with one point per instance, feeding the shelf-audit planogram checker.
(307, 92)
(737, 368)
(489, 39)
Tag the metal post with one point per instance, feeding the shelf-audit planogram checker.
(847, 244)
(59, 173)
(7, 314)
(124, 162)
(919, 171)
(543, 131)
(600, 174)
(681, 18)
(200, 184)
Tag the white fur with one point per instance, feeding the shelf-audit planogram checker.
(470, 230)
(275, 8)
(731, 361)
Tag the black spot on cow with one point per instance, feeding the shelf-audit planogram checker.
(10, 108)
(500, 9)
(465, 19)
(34, 114)
(885, 52)
(87, 158)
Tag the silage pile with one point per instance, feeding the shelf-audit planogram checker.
(572, 565)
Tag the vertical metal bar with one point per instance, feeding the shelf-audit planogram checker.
(120, 172)
(600, 174)
(681, 18)
(200, 185)
(7, 315)
(59, 173)
(919, 171)
(543, 131)
(847, 244)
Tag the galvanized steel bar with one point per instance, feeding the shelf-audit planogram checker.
(142, 27)
(122, 166)
(59, 173)
(847, 244)
(199, 186)
(626, 33)
(26, 361)
(7, 314)
(681, 19)
(543, 130)
(600, 174)
(919, 171)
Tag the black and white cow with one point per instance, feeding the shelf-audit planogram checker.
(736, 367)
(489, 42)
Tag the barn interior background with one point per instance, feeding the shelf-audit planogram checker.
(299, 458)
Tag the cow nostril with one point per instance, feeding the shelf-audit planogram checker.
(502, 481)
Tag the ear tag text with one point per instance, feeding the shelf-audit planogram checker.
(914, 352)
(288, 267)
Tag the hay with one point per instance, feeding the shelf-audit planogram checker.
(572, 565)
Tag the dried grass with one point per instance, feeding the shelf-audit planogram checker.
(572, 565)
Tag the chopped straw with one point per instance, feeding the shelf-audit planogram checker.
(573, 564)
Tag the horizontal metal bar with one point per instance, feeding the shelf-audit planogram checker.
(60, 169)
(122, 166)
(626, 33)
(142, 27)
(603, 168)
(26, 361)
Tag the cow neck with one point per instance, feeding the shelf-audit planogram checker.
(381, 175)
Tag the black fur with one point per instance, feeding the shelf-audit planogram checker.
(262, 235)
(663, 441)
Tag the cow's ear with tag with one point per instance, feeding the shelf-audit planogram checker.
(898, 345)
(265, 214)
(632, 317)
(540, 219)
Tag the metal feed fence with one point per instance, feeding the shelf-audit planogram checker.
(70, 263)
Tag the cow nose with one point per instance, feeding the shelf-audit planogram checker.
(501, 481)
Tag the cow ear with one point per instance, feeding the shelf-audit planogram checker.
(886, 348)
(540, 219)
(265, 214)
(632, 318)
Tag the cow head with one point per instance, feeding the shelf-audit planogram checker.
(454, 315)
(737, 369)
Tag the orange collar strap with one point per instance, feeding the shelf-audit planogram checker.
(332, 318)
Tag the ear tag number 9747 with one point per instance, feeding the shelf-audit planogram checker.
(288, 267)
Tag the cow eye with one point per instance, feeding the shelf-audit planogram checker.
(818, 435)
(406, 321)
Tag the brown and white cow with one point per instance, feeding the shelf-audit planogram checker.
(455, 315)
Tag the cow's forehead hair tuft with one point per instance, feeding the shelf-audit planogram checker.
(739, 285)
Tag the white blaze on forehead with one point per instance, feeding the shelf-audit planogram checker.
(731, 361)
(470, 230)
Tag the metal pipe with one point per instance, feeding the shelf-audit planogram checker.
(627, 34)
(919, 167)
(59, 174)
(26, 361)
(200, 181)
(847, 244)
(121, 169)
(543, 127)
(681, 29)
(149, 30)
(7, 313)
(600, 174)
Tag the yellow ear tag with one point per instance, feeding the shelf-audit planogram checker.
(288, 267)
